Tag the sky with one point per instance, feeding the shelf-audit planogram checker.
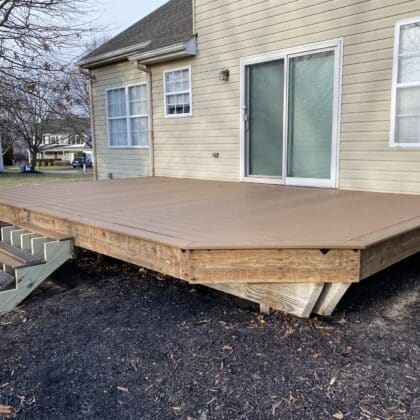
(120, 14)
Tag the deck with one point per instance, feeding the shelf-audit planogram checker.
(230, 236)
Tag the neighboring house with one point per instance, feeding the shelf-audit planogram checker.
(309, 93)
(62, 143)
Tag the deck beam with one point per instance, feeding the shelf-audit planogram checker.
(297, 299)
(330, 297)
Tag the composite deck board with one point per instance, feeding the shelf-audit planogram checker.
(194, 214)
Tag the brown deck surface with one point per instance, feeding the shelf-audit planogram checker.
(195, 214)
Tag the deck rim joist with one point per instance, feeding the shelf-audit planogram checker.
(204, 266)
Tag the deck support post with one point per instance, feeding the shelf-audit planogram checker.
(330, 297)
(297, 299)
(264, 309)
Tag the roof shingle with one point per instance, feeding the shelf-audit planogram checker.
(169, 24)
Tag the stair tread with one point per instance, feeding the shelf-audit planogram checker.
(44, 232)
(16, 258)
(6, 280)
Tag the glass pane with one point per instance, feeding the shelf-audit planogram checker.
(138, 108)
(410, 39)
(177, 81)
(138, 124)
(138, 100)
(409, 54)
(311, 94)
(118, 132)
(409, 69)
(138, 127)
(137, 93)
(265, 109)
(116, 103)
(408, 101)
(408, 115)
(408, 130)
(178, 104)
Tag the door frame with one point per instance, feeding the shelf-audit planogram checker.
(286, 54)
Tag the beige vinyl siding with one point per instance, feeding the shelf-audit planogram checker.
(231, 29)
(122, 163)
(184, 145)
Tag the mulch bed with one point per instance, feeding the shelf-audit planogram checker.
(105, 341)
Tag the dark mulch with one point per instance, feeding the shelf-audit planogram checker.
(106, 341)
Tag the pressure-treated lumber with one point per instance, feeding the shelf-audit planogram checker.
(6, 280)
(388, 252)
(296, 299)
(29, 278)
(330, 297)
(44, 232)
(16, 258)
(273, 266)
(249, 238)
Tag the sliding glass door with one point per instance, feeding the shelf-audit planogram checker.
(290, 106)
(265, 102)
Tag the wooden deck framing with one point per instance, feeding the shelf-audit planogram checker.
(258, 270)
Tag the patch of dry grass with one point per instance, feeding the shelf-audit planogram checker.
(11, 179)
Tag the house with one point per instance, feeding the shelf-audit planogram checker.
(64, 141)
(299, 103)
(310, 93)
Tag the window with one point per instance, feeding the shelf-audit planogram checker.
(177, 87)
(405, 118)
(127, 116)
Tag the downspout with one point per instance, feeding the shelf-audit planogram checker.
(91, 79)
(194, 18)
(151, 135)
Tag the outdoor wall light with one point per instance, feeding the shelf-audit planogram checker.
(224, 75)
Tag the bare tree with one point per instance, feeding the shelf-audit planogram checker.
(76, 107)
(27, 114)
(39, 35)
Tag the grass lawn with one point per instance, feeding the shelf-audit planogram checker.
(11, 179)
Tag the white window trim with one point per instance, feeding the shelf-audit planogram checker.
(395, 85)
(165, 93)
(127, 117)
(335, 44)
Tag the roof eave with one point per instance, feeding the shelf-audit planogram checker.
(171, 52)
(116, 55)
(183, 49)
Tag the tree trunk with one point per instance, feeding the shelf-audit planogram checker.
(33, 158)
(1, 155)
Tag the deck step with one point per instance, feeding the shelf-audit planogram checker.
(15, 258)
(29, 270)
(44, 232)
(6, 280)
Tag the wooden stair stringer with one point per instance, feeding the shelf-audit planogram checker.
(54, 253)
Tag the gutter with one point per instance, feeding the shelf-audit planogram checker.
(171, 52)
(110, 57)
(182, 49)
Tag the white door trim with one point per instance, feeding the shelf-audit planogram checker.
(337, 45)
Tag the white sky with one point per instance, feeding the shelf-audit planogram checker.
(120, 14)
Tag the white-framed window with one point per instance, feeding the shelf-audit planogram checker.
(405, 114)
(177, 91)
(127, 116)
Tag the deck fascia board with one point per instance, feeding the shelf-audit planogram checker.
(213, 266)
(201, 266)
